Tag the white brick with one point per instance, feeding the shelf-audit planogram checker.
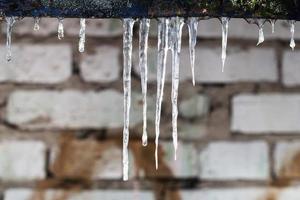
(48, 26)
(22, 160)
(225, 194)
(197, 106)
(36, 64)
(234, 161)
(286, 158)
(250, 193)
(102, 159)
(71, 109)
(27, 194)
(250, 65)
(275, 113)
(186, 164)
(103, 66)
(290, 68)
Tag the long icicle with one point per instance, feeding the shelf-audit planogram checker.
(60, 29)
(10, 21)
(81, 45)
(127, 59)
(143, 51)
(176, 33)
(292, 29)
(224, 21)
(261, 37)
(192, 23)
(163, 24)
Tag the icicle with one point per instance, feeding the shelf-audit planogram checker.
(224, 21)
(261, 37)
(192, 23)
(143, 50)
(176, 33)
(163, 24)
(10, 21)
(36, 26)
(60, 31)
(127, 58)
(82, 35)
(292, 43)
(273, 21)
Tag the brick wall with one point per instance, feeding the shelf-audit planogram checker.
(61, 117)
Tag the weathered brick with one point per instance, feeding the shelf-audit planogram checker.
(185, 166)
(250, 193)
(22, 160)
(265, 113)
(290, 68)
(72, 109)
(27, 194)
(286, 159)
(226, 194)
(99, 160)
(242, 65)
(29, 66)
(102, 66)
(197, 106)
(48, 26)
(235, 161)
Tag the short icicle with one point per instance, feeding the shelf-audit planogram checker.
(127, 59)
(10, 21)
(192, 23)
(143, 51)
(224, 21)
(261, 37)
(36, 25)
(81, 45)
(163, 26)
(176, 33)
(60, 29)
(292, 29)
(273, 21)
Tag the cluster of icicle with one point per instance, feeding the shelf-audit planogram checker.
(169, 38)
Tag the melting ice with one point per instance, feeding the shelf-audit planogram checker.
(10, 21)
(261, 37)
(192, 23)
(82, 35)
(143, 51)
(60, 29)
(292, 29)
(36, 25)
(175, 29)
(163, 26)
(127, 59)
(224, 21)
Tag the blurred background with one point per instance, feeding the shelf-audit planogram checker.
(62, 116)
